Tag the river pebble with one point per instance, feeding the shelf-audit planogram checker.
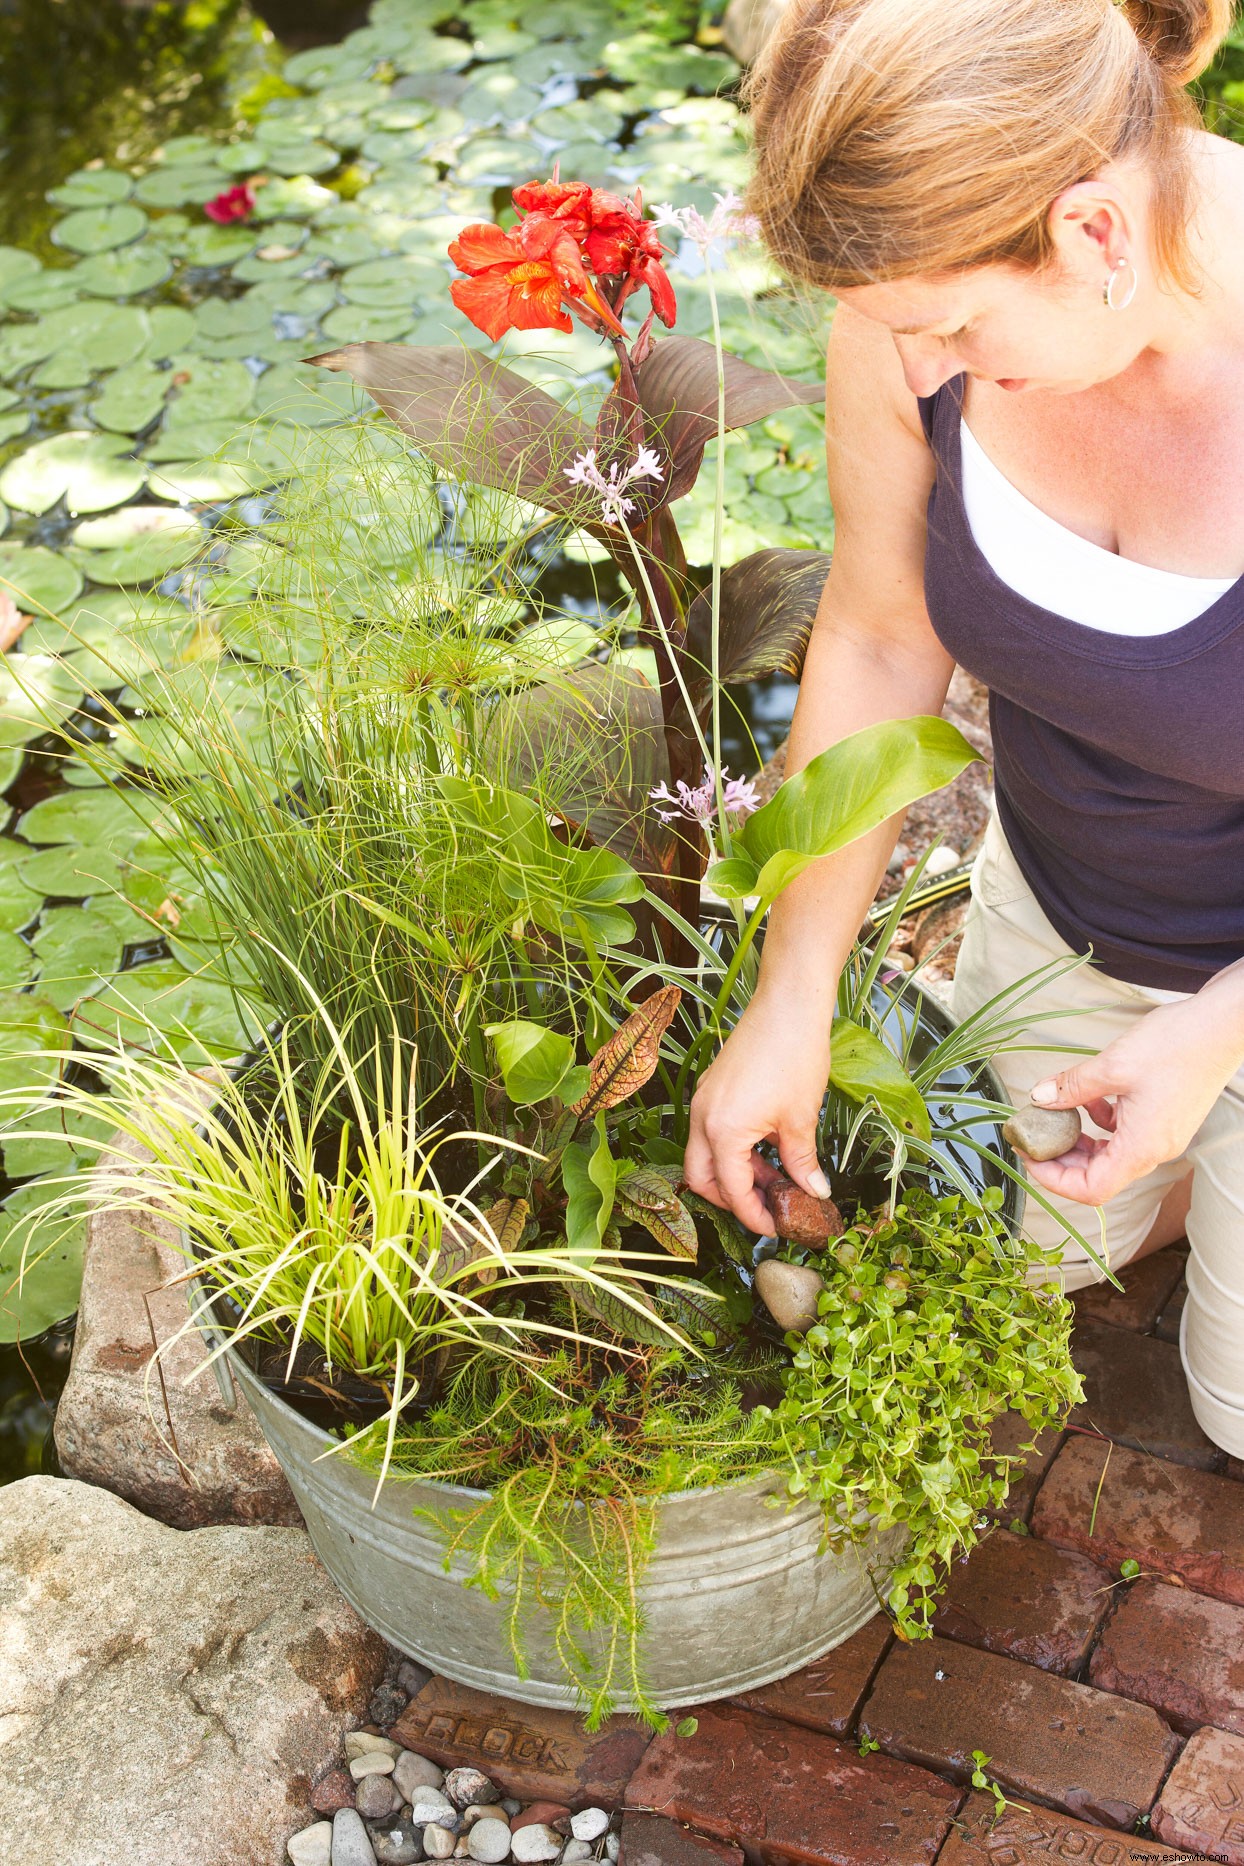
(376, 1797)
(789, 1292)
(467, 1786)
(313, 1846)
(438, 1842)
(367, 1742)
(575, 1850)
(397, 1842)
(484, 1811)
(371, 1762)
(511, 1806)
(589, 1823)
(613, 1846)
(490, 1841)
(536, 1842)
(1043, 1133)
(428, 1804)
(412, 1772)
(351, 1841)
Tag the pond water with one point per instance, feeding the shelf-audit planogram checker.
(151, 390)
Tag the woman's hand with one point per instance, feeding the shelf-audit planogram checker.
(1150, 1090)
(767, 1084)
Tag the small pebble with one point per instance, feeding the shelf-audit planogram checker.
(429, 1805)
(412, 1676)
(412, 1772)
(589, 1823)
(552, 1813)
(351, 1844)
(438, 1842)
(377, 1798)
(371, 1762)
(489, 1840)
(575, 1850)
(397, 1843)
(800, 1217)
(478, 1811)
(313, 1846)
(536, 1842)
(789, 1292)
(467, 1786)
(511, 1806)
(335, 1791)
(941, 861)
(367, 1743)
(1043, 1133)
(387, 1704)
(461, 1850)
(613, 1846)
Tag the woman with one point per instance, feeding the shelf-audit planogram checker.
(1035, 431)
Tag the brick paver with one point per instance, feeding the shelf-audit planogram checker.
(1168, 1518)
(1010, 1431)
(1068, 1744)
(1036, 1836)
(791, 1797)
(1178, 1651)
(1147, 1287)
(538, 1755)
(1025, 1598)
(827, 1695)
(651, 1840)
(1135, 1391)
(1201, 1807)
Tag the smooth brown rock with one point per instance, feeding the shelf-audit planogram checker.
(790, 1797)
(543, 1814)
(1042, 1133)
(1170, 1519)
(800, 1218)
(1026, 1599)
(1097, 1757)
(790, 1292)
(334, 1790)
(1034, 1836)
(1178, 1651)
(529, 1752)
(1201, 1807)
(827, 1694)
(165, 1696)
(1008, 1435)
(1147, 1288)
(214, 1466)
(1136, 1392)
(651, 1840)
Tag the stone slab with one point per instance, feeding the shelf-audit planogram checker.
(1136, 1393)
(530, 1752)
(1097, 1757)
(165, 1696)
(1035, 1836)
(1172, 1314)
(791, 1797)
(1170, 1519)
(1009, 1432)
(1201, 1807)
(651, 1840)
(827, 1695)
(1147, 1288)
(111, 1429)
(1178, 1651)
(1027, 1599)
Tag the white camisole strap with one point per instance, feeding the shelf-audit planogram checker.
(1049, 565)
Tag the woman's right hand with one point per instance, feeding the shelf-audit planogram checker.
(766, 1084)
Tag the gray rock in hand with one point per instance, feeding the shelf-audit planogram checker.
(1043, 1133)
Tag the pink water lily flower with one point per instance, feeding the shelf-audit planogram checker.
(236, 203)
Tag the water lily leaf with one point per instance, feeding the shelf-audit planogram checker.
(99, 229)
(190, 148)
(212, 481)
(183, 184)
(208, 390)
(304, 398)
(116, 819)
(356, 323)
(306, 298)
(218, 246)
(85, 469)
(295, 195)
(15, 263)
(399, 281)
(40, 581)
(230, 317)
(106, 335)
(162, 1006)
(92, 187)
(37, 692)
(12, 757)
(17, 962)
(499, 97)
(169, 893)
(31, 1028)
(13, 423)
(40, 1263)
(41, 291)
(132, 398)
(152, 540)
(302, 158)
(55, 1134)
(172, 327)
(69, 872)
(80, 948)
(122, 273)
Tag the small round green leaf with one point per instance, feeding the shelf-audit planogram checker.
(40, 1262)
(39, 581)
(123, 273)
(93, 187)
(87, 469)
(99, 229)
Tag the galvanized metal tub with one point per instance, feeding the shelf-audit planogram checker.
(734, 1596)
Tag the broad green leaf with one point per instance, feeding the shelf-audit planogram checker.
(589, 1174)
(92, 187)
(115, 818)
(15, 263)
(399, 282)
(39, 291)
(53, 1137)
(17, 962)
(534, 1060)
(204, 389)
(161, 1006)
(170, 893)
(99, 229)
(181, 185)
(31, 1031)
(88, 470)
(841, 795)
(132, 398)
(356, 323)
(139, 544)
(864, 1068)
(40, 581)
(40, 1263)
(303, 397)
(70, 872)
(122, 274)
(36, 694)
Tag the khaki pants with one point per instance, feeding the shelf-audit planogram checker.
(1008, 936)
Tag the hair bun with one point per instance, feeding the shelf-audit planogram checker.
(1182, 36)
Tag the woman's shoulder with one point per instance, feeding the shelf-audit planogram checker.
(863, 371)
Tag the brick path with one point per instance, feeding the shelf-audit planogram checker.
(1112, 1711)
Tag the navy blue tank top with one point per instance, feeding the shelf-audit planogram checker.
(1119, 760)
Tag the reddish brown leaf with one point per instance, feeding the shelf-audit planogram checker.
(621, 1066)
(678, 391)
(505, 1220)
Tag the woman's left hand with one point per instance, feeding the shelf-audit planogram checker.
(1150, 1090)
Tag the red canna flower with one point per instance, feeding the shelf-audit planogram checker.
(567, 201)
(517, 280)
(234, 204)
(621, 244)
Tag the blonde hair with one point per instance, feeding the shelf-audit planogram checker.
(903, 137)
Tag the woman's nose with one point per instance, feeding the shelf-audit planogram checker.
(926, 365)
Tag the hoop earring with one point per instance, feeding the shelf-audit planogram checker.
(1108, 298)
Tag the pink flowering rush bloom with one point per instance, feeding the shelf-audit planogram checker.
(614, 504)
(234, 204)
(725, 222)
(739, 797)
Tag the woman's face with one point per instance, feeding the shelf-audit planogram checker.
(1022, 330)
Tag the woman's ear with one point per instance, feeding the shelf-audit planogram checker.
(1092, 228)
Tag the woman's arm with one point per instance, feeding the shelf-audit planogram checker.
(873, 657)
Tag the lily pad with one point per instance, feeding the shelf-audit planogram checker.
(162, 1006)
(99, 229)
(115, 818)
(40, 1262)
(402, 280)
(123, 273)
(31, 1029)
(41, 291)
(218, 246)
(18, 907)
(132, 398)
(17, 962)
(139, 544)
(55, 1134)
(368, 323)
(107, 335)
(12, 758)
(93, 187)
(172, 326)
(305, 397)
(15, 263)
(212, 482)
(12, 424)
(296, 196)
(37, 693)
(69, 872)
(40, 581)
(88, 470)
(206, 389)
(183, 184)
(311, 157)
(168, 891)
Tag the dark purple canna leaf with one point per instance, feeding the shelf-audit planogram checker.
(477, 420)
(678, 392)
(768, 605)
